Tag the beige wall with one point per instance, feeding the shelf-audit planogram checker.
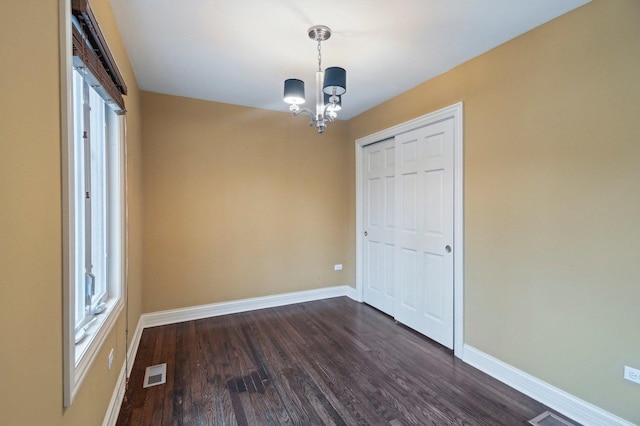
(552, 198)
(239, 202)
(30, 222)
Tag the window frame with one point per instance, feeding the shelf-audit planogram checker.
(78, 358)
(92, 117)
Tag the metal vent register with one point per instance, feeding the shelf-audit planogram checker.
(155, 375)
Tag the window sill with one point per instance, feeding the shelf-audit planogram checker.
(87, 350)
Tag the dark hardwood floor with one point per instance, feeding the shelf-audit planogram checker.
(333, 361)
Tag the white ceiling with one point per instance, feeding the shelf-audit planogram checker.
(241, 51)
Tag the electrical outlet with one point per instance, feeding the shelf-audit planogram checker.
(110, 358)
(632, 374)
(337, 267)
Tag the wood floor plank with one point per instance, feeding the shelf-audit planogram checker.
(327, 362)
(297, 346)
(275, 364)
(153, 406)
(214, 359)
(182, 376)
(261, 375)
(361, 370)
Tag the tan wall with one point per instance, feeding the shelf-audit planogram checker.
(239, 202)
(552, 198)
(242, 202)
(30, 222)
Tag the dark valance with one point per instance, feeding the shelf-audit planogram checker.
(90, 50)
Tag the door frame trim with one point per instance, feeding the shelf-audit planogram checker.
(455, 112)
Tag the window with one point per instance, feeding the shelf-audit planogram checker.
(94, 196)
(96, 203)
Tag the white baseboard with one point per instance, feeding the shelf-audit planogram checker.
(113, 410)
(135, 342)
(557, 399)
(155, 319)
(351, 293)
(173, 316)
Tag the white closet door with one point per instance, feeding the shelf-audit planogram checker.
(379, 226)
(424, 231)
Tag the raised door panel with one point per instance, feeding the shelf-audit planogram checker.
(425, 229)
(379, 226)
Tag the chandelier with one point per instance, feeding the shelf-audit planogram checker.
(330, 86)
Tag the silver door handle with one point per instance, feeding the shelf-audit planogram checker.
(448, 249)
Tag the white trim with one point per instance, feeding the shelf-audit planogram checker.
(133, 346)
(205, 311)
(458, 230)
(103, 328)
(455, 112)
(113, 410)
(68, 214)
(557, 399)
(359, 225)
(351, 293)
(424, 120)
(155, 319)
(75, 371)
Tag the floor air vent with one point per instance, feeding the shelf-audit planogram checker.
(155, 375)
(549, 419)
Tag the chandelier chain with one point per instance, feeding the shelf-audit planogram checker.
(319, 56)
